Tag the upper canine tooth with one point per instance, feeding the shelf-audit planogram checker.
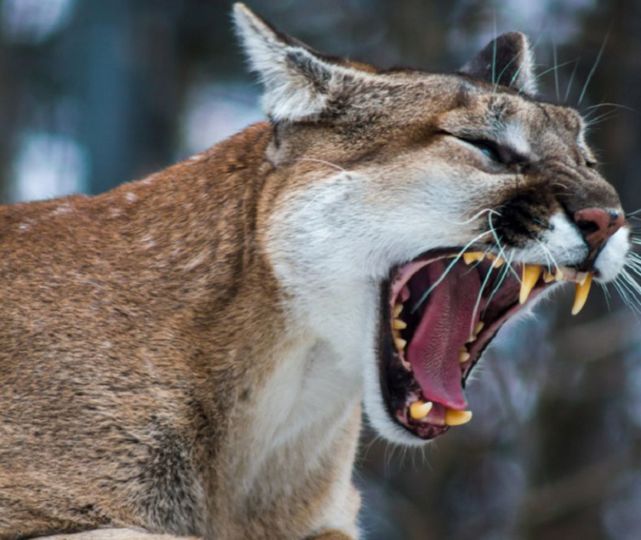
(457, 418)
(531, 274)
(581, 294)
(581, 277)
(420, 409)
(397, 324)
(472, 256)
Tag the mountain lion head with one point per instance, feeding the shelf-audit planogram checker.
(412, 214)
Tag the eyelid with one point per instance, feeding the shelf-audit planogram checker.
(505, 154)
(486, 144)
(500, 153)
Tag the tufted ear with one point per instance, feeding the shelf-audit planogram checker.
(507, 60)
(297, 81)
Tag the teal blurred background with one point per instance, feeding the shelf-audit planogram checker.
(97, 92)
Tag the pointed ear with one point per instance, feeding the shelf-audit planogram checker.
(297, 81)
(507, 60)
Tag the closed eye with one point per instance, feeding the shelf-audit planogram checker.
(488, 148)
(498, 153)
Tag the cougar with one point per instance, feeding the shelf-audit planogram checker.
(187, 354)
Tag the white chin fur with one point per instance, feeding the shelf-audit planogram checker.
(611, 260)
(377, 413)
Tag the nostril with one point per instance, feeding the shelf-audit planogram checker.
(587, 227)
(597, 225)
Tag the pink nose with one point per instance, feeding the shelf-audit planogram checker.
(598, 225)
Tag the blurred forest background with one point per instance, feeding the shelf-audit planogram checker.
(96, 92)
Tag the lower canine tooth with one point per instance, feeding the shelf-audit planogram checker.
(581, 294)
(400, 343)
(457, 418)
(420, 409)
(531, 274)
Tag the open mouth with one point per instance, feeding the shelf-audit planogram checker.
(439, 314)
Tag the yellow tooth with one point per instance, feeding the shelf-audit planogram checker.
(397, 310)
(420, 409)
(548, 277)
(531, 274)
(498, 262)
(581, 277)
(400, 343)
(463, 356)
(472, 256)
(581, 295)
(478, 327)
(558, 275)
(397, 324)
(457, 418)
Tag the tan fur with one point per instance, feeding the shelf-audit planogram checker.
(157, 341)
(114, 534)
(137, 324)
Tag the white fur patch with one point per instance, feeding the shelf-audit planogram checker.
(527, 80)
(560, 245)
(563, 245)
(63, 208)
(516, 138)
(377, 412)
(612, 258)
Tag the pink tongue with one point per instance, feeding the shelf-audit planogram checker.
(443, 330)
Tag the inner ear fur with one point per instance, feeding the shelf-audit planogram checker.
(297, 81)
(507, 60)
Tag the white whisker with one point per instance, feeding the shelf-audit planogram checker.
(506, 271)
(573, 74)
(606, 295)
(594, 66)
(447, 270)
(338, 167)
(473, 218)
(478, 299)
